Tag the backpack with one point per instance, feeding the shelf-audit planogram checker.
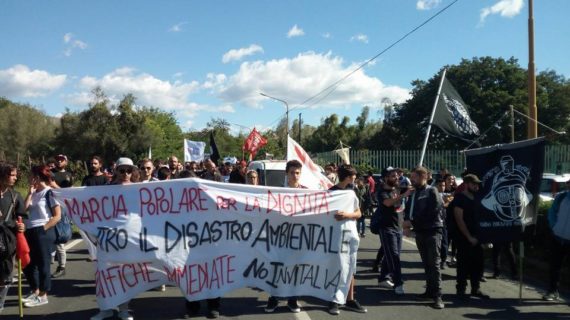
(7, 251)
(63, 227)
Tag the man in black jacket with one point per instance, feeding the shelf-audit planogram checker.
(425, 213)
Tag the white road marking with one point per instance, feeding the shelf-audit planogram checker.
(72, 243)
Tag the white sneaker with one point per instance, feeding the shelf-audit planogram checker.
(124, 315)
(37, 301)
(387, 284)
(103, 314)
(29, 297)
(399, 290)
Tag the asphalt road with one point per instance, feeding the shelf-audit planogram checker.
(73, 297)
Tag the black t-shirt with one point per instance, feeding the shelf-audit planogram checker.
(64, 179)
(18, 210)
(91, 180)
(470, 209)
(389, 217)
(336, 187)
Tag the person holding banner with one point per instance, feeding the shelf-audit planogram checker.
(293, 174)
(44, 214)
(346, 176)
(469, 250)
(11, 207)
(559, 222)
(425, 213)
(123, 175)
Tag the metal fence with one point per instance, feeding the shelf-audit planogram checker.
(556, 159)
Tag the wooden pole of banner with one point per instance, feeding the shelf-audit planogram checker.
(431, 119)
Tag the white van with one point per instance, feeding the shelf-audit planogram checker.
(270, 172)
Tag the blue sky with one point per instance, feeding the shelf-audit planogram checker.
(204, 59)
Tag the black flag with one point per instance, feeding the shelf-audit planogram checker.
(214, 154)
(451, 114)
(510, 177)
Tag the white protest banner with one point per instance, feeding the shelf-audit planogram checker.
(193, 150)
(209, 238)
(311, 175)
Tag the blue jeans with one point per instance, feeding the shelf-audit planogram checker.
(391, 240)
(361, 225)
(41, 246)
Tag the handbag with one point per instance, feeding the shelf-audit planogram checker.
(63, 227)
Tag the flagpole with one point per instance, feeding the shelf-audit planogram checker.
(521, 243)
(431, 119)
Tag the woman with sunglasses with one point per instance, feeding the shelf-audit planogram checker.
(44, 213)
(125, 173)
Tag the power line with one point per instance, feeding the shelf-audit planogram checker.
(331, 88)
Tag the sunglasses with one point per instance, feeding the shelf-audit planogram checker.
(125, 170)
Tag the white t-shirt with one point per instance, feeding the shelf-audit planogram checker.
(39, 210)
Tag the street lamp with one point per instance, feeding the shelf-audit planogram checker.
(286, 106)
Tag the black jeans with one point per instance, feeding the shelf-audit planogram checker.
(558, 250)
(469, 265)
(391, 240)
(507, 248)
(41, 246)
(429, 246)
(194, 306)
(444, 245)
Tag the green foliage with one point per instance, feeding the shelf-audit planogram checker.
(24, 131)
(118, 131)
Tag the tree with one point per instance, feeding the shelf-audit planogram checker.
(488, 85)
(24, 131)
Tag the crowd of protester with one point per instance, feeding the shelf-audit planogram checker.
(440, 213)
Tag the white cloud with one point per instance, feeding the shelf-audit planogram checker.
(20, 81)
(177, 27)
(360, 38)
(148, 89)
(295, 31)
(506, 8)
(214, 80)
(67, 37)
(427, 4)
(238, 54)
(151, 91)
(301, 77)
(72, 43)
(326, 35)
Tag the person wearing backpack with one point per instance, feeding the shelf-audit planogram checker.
(44, 214)
(11, 207)
(62, 179)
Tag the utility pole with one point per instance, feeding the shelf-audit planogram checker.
(300, 126)
(532, 111)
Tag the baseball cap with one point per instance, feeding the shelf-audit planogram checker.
(61, 156)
